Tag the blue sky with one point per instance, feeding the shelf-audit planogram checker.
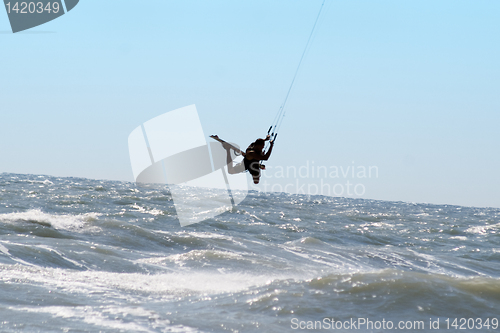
(410, 87)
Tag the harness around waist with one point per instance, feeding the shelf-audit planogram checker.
(253, 166)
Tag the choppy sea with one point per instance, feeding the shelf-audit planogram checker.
(82, 255)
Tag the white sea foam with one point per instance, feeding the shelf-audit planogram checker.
(166, 284)
(98, 317)
(483, 229)
(63, 221)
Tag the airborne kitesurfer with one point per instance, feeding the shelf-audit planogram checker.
(254, 154)
(252, 157)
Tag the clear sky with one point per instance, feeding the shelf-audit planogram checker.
(410, 87)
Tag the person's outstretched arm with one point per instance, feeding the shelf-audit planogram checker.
(266, 156)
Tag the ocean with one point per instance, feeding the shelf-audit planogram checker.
(83, 255)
